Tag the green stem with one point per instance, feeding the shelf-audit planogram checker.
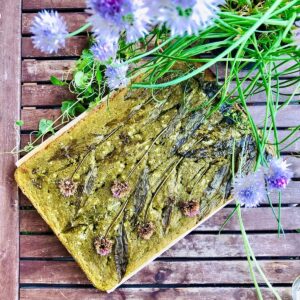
(279, 214)
(246, 246)
(250, 251)
(147, 53)
(79, 30)
(240, 41)
(254, 18)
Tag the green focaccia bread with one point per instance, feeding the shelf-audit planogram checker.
(143, 169)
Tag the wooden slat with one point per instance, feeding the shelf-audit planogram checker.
(10, 67)
(291, 195)
(294, 161)
(295, 147)
(257, 219)
(41, 95)
(260, 97)
(74, 47)
(165, 272)
(31, 117)
(34, 70)
(73, 20)
(211, 272)
(203, 293)
(33, 96)
(43, 4)
(286, 117)
(195, 245)
(44, 69)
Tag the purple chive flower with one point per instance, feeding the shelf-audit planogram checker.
(105, 18)
(184, 4)
(278, 174)
(49, 31)
(188, 17)
(116, 75)
(104, 51)
(250, 190)
(111, 10)
(136, 24)
(110, 18)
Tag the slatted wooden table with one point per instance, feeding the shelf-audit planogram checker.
(204, 265)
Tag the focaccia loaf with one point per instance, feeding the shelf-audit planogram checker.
(141, 170)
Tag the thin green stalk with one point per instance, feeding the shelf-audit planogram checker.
(279, 214)
(148, 53)
(248, 253)
(79, 30)
(240, 41)
(254, 18)
(273, 211)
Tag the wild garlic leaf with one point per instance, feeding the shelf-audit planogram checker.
(167, 214)
(90, 179)
(140, 194)
(121, 251)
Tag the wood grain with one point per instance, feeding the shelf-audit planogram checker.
(73, 20)
(74, 47)
(203, 293)
(165, 272)
(43, 4)
(258, 219)
(37, 71)
(194, 245)
(10, 67)
(260, 96)
(40, 95)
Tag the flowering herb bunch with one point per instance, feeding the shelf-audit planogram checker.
(258, 42)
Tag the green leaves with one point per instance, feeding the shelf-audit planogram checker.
(80, 78)
(87, 81)
(55, 81)
(99, 76)
(45, 126)
(19, 123)
(121, 251)
(72, 108)
(87, 85)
